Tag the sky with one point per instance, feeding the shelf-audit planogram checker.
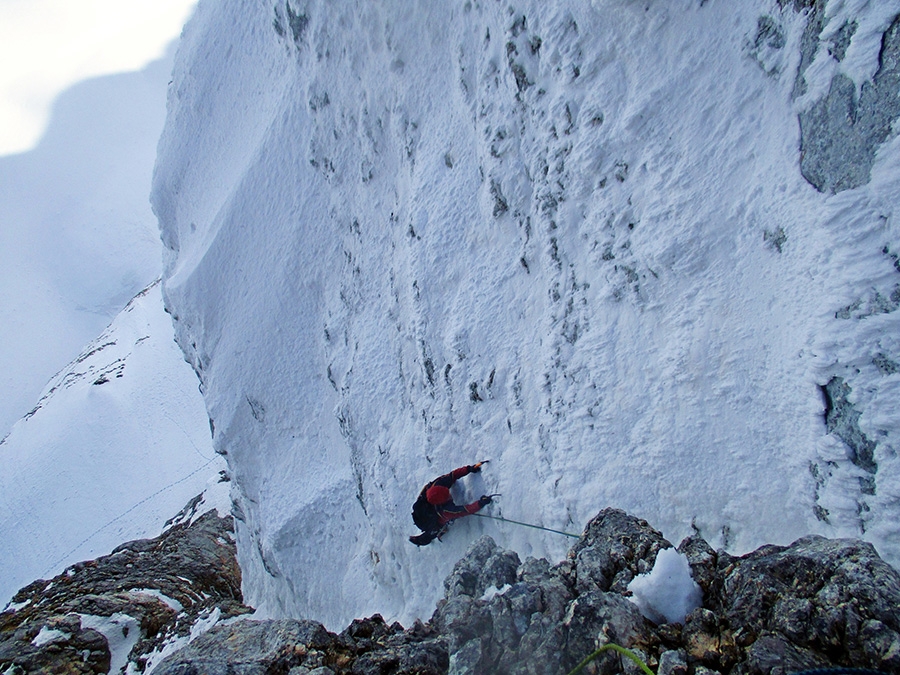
(48, 45)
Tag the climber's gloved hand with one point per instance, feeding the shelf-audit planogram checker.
(484, 500)
(476, 468)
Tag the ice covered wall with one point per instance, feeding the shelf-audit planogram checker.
(572, 238)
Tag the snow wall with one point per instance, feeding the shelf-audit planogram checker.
(572, 238)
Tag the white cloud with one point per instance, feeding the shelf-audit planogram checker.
(48, 45)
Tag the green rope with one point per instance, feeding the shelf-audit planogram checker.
(625, 652)
(516, 522)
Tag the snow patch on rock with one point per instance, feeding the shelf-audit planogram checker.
(668, 592)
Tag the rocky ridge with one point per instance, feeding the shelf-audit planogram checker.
(816, 603)
(129, 608)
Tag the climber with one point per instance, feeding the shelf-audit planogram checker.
(434, 509)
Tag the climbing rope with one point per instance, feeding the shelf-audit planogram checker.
(146, 499)
(537, 527)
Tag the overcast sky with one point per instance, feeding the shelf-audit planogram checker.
(48, 45)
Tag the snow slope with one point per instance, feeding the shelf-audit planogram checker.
(570, 238)
(118, 440)
(77, 236)
(117, 444)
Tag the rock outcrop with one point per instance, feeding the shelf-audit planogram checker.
(129, 607)
(842, 131)
(780, 609)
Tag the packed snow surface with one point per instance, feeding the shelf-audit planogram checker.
(572, 238)
(668, 592)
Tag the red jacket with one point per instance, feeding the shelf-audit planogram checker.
(438, 495)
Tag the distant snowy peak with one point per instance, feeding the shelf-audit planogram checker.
(573, 238)
(77, 236)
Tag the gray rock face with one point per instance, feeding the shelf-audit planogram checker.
(840, 134)
(834, 601)
(147, 592)
(816, 603)
(366, 647)
(842, 420)
(251, 648)
(485, 631)
(614, 549)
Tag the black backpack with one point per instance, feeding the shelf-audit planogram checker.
(424, 539)
(424, 514)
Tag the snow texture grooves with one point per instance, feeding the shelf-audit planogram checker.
(573, 239)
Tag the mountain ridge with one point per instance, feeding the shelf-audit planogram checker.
(576, 240)
(172, 606)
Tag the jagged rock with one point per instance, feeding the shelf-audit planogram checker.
(708, 642)
(60, 645)
(597, 618)
(367, 647)
(772, 653)
(400, 655)
(828, 597)
(840, 134)
(517, 628)
(703, 561)
(614, 548)
(544, 618)
(381, 649)
(485, 565)
(763, 612)
(816, 603)
(158, 588)
(462, 614)
(254, 647)
(673, 662)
